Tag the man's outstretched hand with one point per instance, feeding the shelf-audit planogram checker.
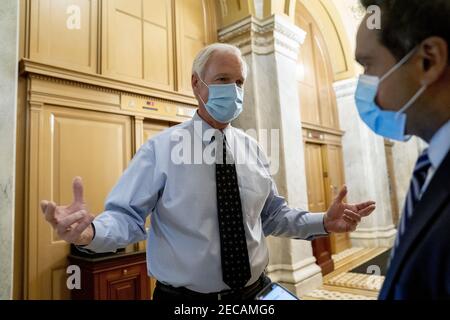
(71, 222)
(344, 217)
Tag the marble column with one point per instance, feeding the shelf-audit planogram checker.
(9, 15)
(270, 48)
(366, 172)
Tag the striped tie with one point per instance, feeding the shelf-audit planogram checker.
(419, 177)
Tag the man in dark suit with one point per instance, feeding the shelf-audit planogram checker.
(405, 91)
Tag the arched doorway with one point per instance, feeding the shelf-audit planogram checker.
(321, 133)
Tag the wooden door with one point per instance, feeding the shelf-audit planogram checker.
(317, 201)
(315, 76)
(69, 143)
(314, 175)
(333, 181)
(319, 115)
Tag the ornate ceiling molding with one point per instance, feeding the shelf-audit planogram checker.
(274, 34)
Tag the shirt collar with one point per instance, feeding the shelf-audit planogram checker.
(201, 126)
(439, 145)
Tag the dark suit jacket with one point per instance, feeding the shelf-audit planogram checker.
(420, 268)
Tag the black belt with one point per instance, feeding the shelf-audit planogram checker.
(231, 294)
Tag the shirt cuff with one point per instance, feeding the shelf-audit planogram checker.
(316, 223)
(98, 239)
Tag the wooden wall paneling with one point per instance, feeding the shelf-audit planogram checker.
(24, 29)
(77, 79)
(20, 185)
(138, 133)
(32, 281)
(137, 42)
(95, 146)
(210, 20)
(158, 43)
(191, 37)
(53, 42)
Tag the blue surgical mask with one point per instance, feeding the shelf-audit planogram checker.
(385, 123)
(224, 101)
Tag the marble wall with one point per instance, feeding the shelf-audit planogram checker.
(366, 172)
(8, 104)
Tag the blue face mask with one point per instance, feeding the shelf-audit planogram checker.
(385, 123)
(224, 101)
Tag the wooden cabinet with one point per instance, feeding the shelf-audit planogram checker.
(122, 276)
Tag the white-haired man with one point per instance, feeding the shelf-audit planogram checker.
(209, 220)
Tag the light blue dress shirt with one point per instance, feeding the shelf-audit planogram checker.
(183, 243)
(437, 150)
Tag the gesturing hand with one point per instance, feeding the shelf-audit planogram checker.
(72, 222)
(343, 217)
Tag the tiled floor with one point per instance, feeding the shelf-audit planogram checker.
(344, 285)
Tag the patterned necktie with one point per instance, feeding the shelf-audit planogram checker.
(419, 177)
(234, 254)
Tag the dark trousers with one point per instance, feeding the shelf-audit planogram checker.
(167, 293)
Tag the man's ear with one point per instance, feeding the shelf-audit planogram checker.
(194, 82)
(434, 52)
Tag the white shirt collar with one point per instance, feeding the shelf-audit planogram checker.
(200, 126)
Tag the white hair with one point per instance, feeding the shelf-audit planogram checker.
(200, 61)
